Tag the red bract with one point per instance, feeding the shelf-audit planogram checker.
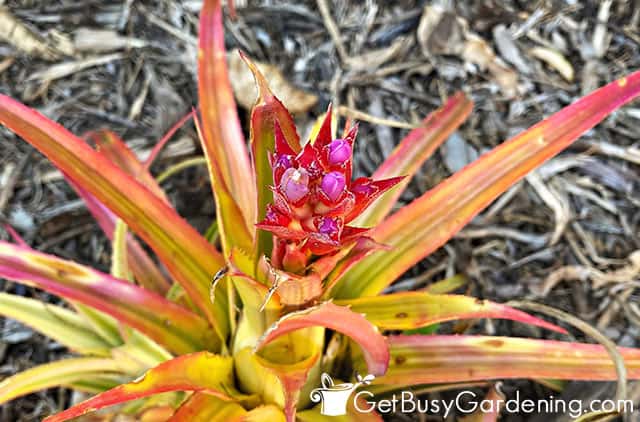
(315, 198)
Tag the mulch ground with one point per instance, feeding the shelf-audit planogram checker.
(563, 236)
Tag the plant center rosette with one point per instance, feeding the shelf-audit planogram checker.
(314, 200)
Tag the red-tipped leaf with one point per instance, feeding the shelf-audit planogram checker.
(169, 324)
(342, 320)
(270, 123)
(413, 151)
(223, 140)
(199, 372)
(428, 222)
(189, 257)
(445, 359)
(410, 310)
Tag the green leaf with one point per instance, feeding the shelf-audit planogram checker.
(189, 258)
(447, 285)
(98, 383)
(446, 358)
(426, 330)
(412, 152)
(171, 325)
(62, 325)
(62, 372)
(198, 372)
(222, 138)
(409, 310)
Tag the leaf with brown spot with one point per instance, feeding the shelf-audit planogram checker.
(198, 372)
(434, 359)
(410, 310)
(169, 324)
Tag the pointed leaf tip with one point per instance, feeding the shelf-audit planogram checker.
(430, 221)
(202, 371)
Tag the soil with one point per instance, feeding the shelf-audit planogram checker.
(544, 240)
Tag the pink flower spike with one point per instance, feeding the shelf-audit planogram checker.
(339, 152)
(333, 185)
(294, 184)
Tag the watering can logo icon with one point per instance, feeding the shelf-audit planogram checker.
(333, 397)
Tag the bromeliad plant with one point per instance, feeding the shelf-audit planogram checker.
(307, 253)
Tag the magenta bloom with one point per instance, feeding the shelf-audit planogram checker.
(333, 185)
(339, 152)
(294, 184)
(315, 198)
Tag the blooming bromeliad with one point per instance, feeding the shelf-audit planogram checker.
(315, 198)
(318, 305)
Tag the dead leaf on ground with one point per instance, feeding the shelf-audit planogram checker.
(555, 60)
(442, 32)
(28, 41)
(68, 68)
(244, 86)
(6, 63)
(373, 59)
(103, 40)
(599, 278)
(508, 49)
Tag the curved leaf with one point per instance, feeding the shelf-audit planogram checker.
(62, 325)
(199, 372)
(410, 310)
(201, 407)
(412, 152)
(190, 259)
(342, 320)
(223, 140)
(439, 359)
(428, 222)
(167, 323)
(267, 113)
(293, 378)
(62, 372)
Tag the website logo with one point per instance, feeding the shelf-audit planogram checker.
(334, 398)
